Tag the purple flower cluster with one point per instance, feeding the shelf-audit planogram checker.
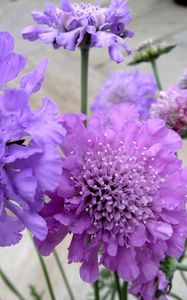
(121, 196)
(30, 165)
(133, 87)
(83, 25)
(171, 106)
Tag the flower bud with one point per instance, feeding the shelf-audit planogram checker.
(150, 50)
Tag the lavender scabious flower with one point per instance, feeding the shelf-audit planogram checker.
(121, 195)
(151, 290)
(133, 87)
(29, 163)
(83, 25)
(171, 106)
(183, 80)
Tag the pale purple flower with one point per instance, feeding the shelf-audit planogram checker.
(171, 106)
(83, 25)
(29, 163)
(121, 195)
(151, 290)
(134, 87)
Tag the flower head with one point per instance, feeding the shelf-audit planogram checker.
(133, 87)
(83, 25)
(121, 195)
(150, 50)
(171, 106)
(29, 163)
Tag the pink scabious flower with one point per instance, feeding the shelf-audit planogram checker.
(121, 195)
(171, 106)
(30, 165)
(134, 87)
(83, 24)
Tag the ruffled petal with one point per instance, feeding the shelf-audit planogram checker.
(47, 168)
(10, 67)
(89, 271)
(45, 127)
(10, 63)
(138, 238)
(159, 230)
(115, 53)
(10, 231)
(32, 81)
(6, 45)
(52, 239)
(70, 40)
(77, 248)
(32, 221)
(127, 265)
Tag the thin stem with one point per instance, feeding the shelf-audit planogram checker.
(118, 285)
(155, 71)
(11, 286)
(63, 275)
(183, 277)
(84, 79)
(125, 291)
(175, 296)
(181, 267)
(46, 275)
(96, 290)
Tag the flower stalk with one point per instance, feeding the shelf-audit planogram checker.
(125, 291)
(84, 79)
(46, 275)
(181, 267)
(11, 286)
(118, 288)
(63, 275)
(96, 290)
(174, 296)
(122, 291)
(155, 71)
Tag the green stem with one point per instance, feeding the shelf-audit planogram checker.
(46, 275)
(11, 286)
(125, 291)
(155, 71)
(96, 290)
(118, 285)
(63, 275)
(84, 79)
(175, 296)
(181, 267)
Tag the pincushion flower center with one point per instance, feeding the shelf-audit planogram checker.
(117, 186)
(85, 10)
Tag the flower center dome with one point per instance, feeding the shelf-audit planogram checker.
(117, 186)
(88, 10)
